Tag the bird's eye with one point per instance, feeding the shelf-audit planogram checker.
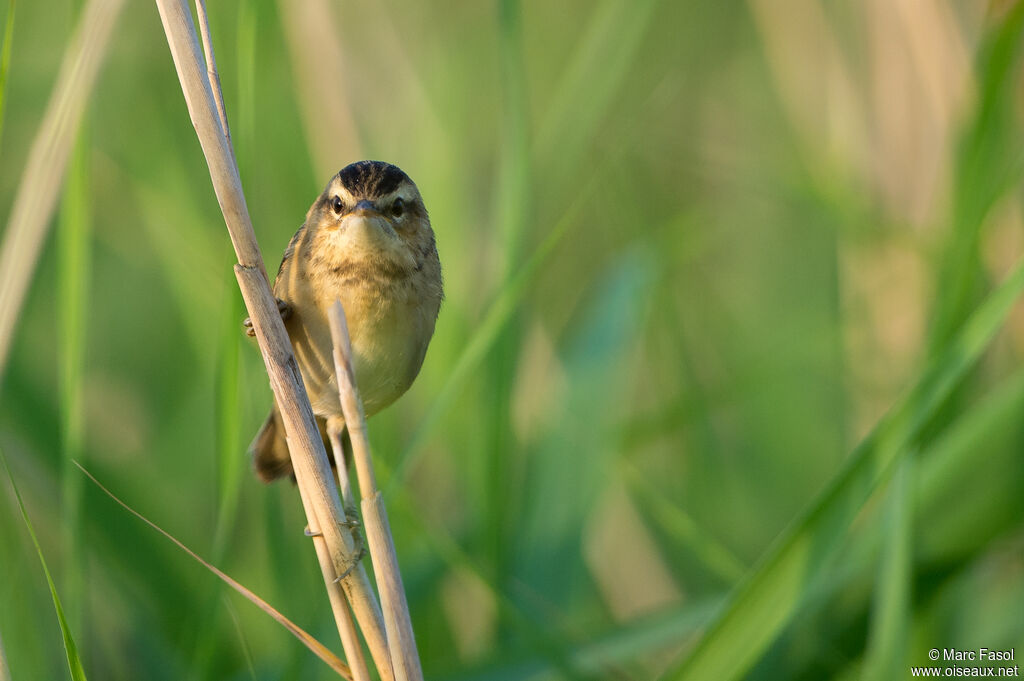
(337, 205)
(397, 208)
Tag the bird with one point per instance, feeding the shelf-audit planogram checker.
(367, 240)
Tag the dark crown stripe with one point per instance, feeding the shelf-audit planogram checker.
(371, 179)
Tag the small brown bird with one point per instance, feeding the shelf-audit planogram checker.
(367, 240)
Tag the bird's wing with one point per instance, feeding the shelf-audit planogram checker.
(289, 252)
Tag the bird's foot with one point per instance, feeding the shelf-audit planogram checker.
(352, 524)
(284, 308)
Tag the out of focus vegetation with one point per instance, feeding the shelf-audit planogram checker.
(693, 253)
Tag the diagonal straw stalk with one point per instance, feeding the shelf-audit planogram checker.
(339, 606)
(397, 621)
(318, 491)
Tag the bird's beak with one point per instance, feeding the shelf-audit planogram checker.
(365, 208)
(365, 223)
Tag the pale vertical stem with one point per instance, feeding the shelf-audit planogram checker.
(397, 622)
(309, 460)
(339, 605)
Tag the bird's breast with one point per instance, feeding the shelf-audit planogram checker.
(390, 324)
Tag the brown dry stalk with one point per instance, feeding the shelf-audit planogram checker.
(313, 475)
(397, 621)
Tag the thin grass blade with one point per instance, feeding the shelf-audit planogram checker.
(241, 637)
(314, 645)
(677, 523)
(74, 661)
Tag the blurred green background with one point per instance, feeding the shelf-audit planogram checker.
(692, 251)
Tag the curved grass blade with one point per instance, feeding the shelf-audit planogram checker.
(247, 653)
(74, 661)
(319, 649)
(765, 602)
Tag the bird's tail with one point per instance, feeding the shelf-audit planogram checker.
(269, 449)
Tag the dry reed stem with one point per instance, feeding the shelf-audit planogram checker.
(47, 160)
(342, 616)
(264, 314)
(211, 70)
(309, 461)
(397, 621)
(347, 630)
(355, 656)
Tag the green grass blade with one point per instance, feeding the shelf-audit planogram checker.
(513, 207)
(981, 439)
(680, 525)
(514, 177)
(765, 602)
(5, 60)
(74, 661)
(986, 166)
(595, 72)
(228, 421)
(74, 264)
(228, 432)
(891, 617)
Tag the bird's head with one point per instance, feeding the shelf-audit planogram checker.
(371, 213)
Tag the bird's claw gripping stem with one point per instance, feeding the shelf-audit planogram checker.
(284, 308)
